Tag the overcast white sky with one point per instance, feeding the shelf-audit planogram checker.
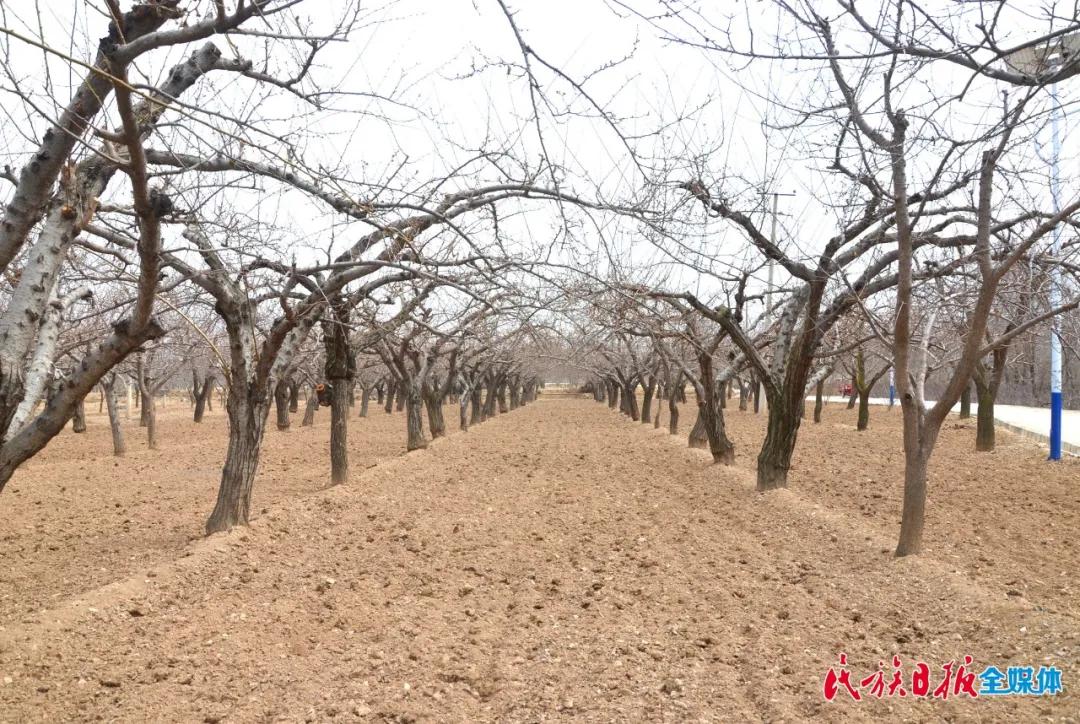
(431, 55)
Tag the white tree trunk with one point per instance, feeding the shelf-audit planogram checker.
(41, 363)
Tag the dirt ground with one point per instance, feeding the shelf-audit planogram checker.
(558, 563)
(75, 517)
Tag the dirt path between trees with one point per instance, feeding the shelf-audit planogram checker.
(563, 563)
(75, 517)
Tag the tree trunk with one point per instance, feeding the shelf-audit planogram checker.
(281, 404)
(965, 402)
(476, 403)
(646, 401)
(340, 371)
(436, 421)
(150, 412)
(415, 420)
(203, 398)
(629, 396)
(819, 400)
(119, 448)
(864, 410)
(365, 399)
(489, 401)
(247, 410)
(914, 513)
(723, 451)
(985, 436)
(78, 419)
(712, 413)
(339, 433)
(294, 396)
(698, 437)
(309, 409)
(402, 394)
(861, 387)
(774, 460)
(501, 397)
(463, 410)
(144, 407)
(391, 390)
(673, 413)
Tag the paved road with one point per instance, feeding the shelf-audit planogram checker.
(1031, 421)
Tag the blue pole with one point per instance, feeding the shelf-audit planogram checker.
(1055, 289)
(892, 388)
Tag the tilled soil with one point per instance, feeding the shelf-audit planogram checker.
(75, 517)
(557, 563)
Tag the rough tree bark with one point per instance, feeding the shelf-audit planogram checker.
(476, 415)
(987, 383)
(340, 370)
(629, 386)
(863, 385)
(436, 420)
(414, 403)
(204, 392)
(391, 390)
(294, 395)
(515, 393)
(435, 394)
(649, 387)
(819, 401)
(712, 415)
(252, 377)
(248, 407)
(365, 399)
(744, 394)
(145, 402)
(491, 398)
(698, 438)
(310, 407)
(673, 407)
(78, 420)
(148, 417)
(281, 405)
(108, 386)
(965, 403)
(501, 397)
(463, 408)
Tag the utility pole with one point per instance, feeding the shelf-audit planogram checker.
(1036, 61)
(772, 237)
(1055, 281)
(769, 278)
